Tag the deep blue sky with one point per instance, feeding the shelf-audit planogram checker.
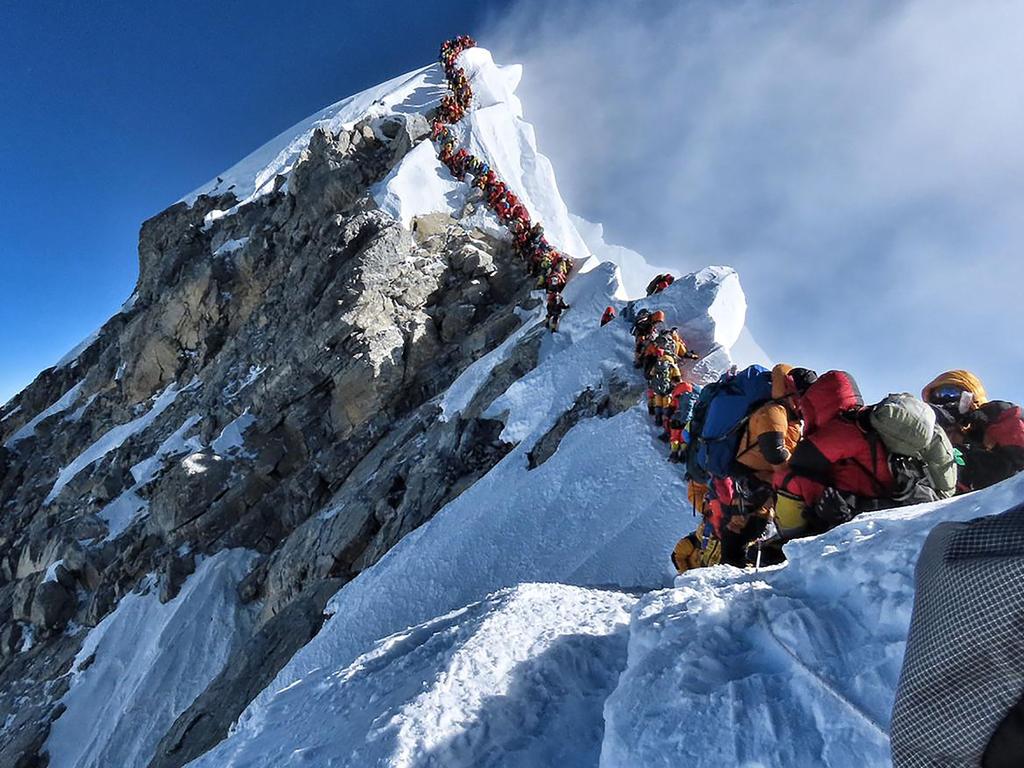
(110, 112)
(860, 169)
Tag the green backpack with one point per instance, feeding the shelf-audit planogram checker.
(908, 428)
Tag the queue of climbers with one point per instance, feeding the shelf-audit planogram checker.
(548, 266)
(659, 283)
(772, 455)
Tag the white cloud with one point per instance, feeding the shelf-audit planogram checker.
(860, 164)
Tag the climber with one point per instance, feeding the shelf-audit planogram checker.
(537, 260)
(496, 194)
(555, 281)
(646, 328)
(447, 150)
(485, 179)
(659, 284)
(565, 265)
(699, 549)
(543, 266)
(641, 317)
(684, 397)
(773, 430)
(988, 434)
(836, 471)
(643, 329)
(518, 213)
(667, 341)
(556, 306)
(518, 230)
(687, 553)
(737, 513)
(679, 346)
(459, 162)
(476, 168)
(608, 316)
(768, 437)
(534, 242)
(649, 355)
(664, 376)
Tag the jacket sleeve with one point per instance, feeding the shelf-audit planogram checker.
(770, 424)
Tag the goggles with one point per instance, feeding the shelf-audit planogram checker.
(946, 394)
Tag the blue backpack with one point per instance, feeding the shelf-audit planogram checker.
(736, 396)
(684, 410)
(696, 470)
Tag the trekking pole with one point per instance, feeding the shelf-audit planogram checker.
(757, 564)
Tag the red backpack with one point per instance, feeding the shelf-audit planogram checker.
(1005, 427)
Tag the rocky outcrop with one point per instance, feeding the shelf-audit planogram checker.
(271, 385)
(591, 403)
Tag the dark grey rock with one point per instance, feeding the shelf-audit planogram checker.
(173, 573)
(53, 605)
(10, 638)
(590, 403)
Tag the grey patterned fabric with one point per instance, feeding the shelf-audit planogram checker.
(964, 666)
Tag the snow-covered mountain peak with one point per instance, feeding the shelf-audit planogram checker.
(332, 416)
(417, 92)
(253, 175)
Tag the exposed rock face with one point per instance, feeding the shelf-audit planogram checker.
(270, 386)
(619, 396)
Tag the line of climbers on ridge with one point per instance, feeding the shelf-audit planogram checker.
(769, 455)
(773, 455)
(550, 267)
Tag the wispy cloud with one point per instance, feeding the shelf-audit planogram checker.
(860, 164)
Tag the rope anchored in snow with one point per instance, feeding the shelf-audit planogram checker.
(550, 267)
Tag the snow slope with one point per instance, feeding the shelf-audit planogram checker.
(518, 678)
(792, 666)
(145, 663)
(796, 665)
(66, 400)
(254, 175)
(604, 510)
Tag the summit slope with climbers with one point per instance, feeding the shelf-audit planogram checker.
(497, 576)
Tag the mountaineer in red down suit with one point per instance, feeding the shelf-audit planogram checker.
(838, 469)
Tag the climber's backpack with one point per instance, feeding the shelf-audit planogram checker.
(695, 470)
(920, 454)
(661, 378)
(665, 342)
(685, 405)
(736, 395)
